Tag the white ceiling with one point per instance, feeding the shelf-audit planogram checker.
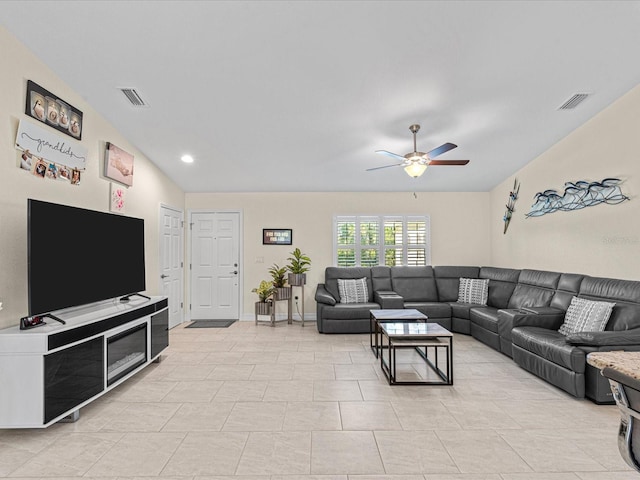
(297, 96)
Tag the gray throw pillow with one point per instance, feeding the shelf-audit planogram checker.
(353, 290)
(473, 290)
(586, 316)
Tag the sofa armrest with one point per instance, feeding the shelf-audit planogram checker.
(619, 338)
(543, 310)
(508, 319)
(387, 299)
(323, 295)
(550, 321)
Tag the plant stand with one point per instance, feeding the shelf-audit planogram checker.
(264, 309)
(269, 309)
(283, 293)
(301, 312)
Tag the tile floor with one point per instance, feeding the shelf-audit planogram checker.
(287, 403)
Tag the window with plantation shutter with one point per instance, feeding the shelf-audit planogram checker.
(372, 240)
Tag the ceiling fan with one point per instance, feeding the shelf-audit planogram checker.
(415, 163)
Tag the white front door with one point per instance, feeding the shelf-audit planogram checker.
(171, 263)
(215, 270)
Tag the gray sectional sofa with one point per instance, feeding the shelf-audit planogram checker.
(524, 311)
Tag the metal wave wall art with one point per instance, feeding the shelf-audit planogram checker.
(578, 195)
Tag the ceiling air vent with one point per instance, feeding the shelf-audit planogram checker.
(574, 101)
(134, 97)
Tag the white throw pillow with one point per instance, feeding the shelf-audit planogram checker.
(586, 316)
(353, 290)
(473, 290)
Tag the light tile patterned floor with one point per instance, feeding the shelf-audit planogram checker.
(287, 403)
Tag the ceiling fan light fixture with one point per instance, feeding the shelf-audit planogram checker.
(415, 169)
(415, 163)
(416, 157)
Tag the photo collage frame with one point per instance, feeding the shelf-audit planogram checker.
(45, 169)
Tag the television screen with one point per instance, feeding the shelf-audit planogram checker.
(78, 256)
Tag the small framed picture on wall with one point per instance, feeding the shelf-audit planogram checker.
(118, 164)
(277, 236)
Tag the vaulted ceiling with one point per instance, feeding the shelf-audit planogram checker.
(298, 95)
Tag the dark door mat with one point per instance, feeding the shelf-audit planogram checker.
(211, 323)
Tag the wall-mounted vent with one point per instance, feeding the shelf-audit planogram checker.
(134, 97)
(574, 101)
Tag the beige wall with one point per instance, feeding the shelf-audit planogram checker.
(459, 228)
(602, 240)
(151, 187)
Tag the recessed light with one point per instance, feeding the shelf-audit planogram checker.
(187, 159)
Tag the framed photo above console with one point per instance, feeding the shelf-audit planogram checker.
(277, 236)
(46, 107)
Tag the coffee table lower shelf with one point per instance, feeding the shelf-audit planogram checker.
(427, 347)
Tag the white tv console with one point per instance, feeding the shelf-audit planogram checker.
(49, 372)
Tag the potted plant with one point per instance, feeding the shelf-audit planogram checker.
(265, 290)
(278, 275)
(299, 264)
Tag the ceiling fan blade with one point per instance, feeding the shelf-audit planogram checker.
(445, 147)
(385, 166)
(448, 162)
(391, 154)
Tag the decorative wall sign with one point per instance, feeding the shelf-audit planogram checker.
(45, 144)
(511, 203)
(277, 236)
(43, 105)
(118, 196)
(578, 195)
(118, 165)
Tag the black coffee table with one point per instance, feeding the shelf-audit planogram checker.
(376, 317)
(424, 338)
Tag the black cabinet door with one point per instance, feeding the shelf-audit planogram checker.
(159, 332)
(72, 376)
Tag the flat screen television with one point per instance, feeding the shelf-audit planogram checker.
(78, 256)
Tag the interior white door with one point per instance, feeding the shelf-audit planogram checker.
(215, 247)
(171, 263)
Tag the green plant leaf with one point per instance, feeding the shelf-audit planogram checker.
(298, 262)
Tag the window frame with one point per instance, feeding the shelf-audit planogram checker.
(381, 248)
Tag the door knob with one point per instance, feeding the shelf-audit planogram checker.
(235, 272)
(163, 276)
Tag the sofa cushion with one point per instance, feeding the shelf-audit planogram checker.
(586, 316)
(381, 278)
(568, 287)
(348, 311)
(539, 278)
(485, 317)
(535, 289)
(353, 290)
(473, 290)
(332, 274)
(551, 346)
(448, 279)
(502, 282)
(624, 293)
(431, 309)
(414, 284)
(461, 310)
(530, 296)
